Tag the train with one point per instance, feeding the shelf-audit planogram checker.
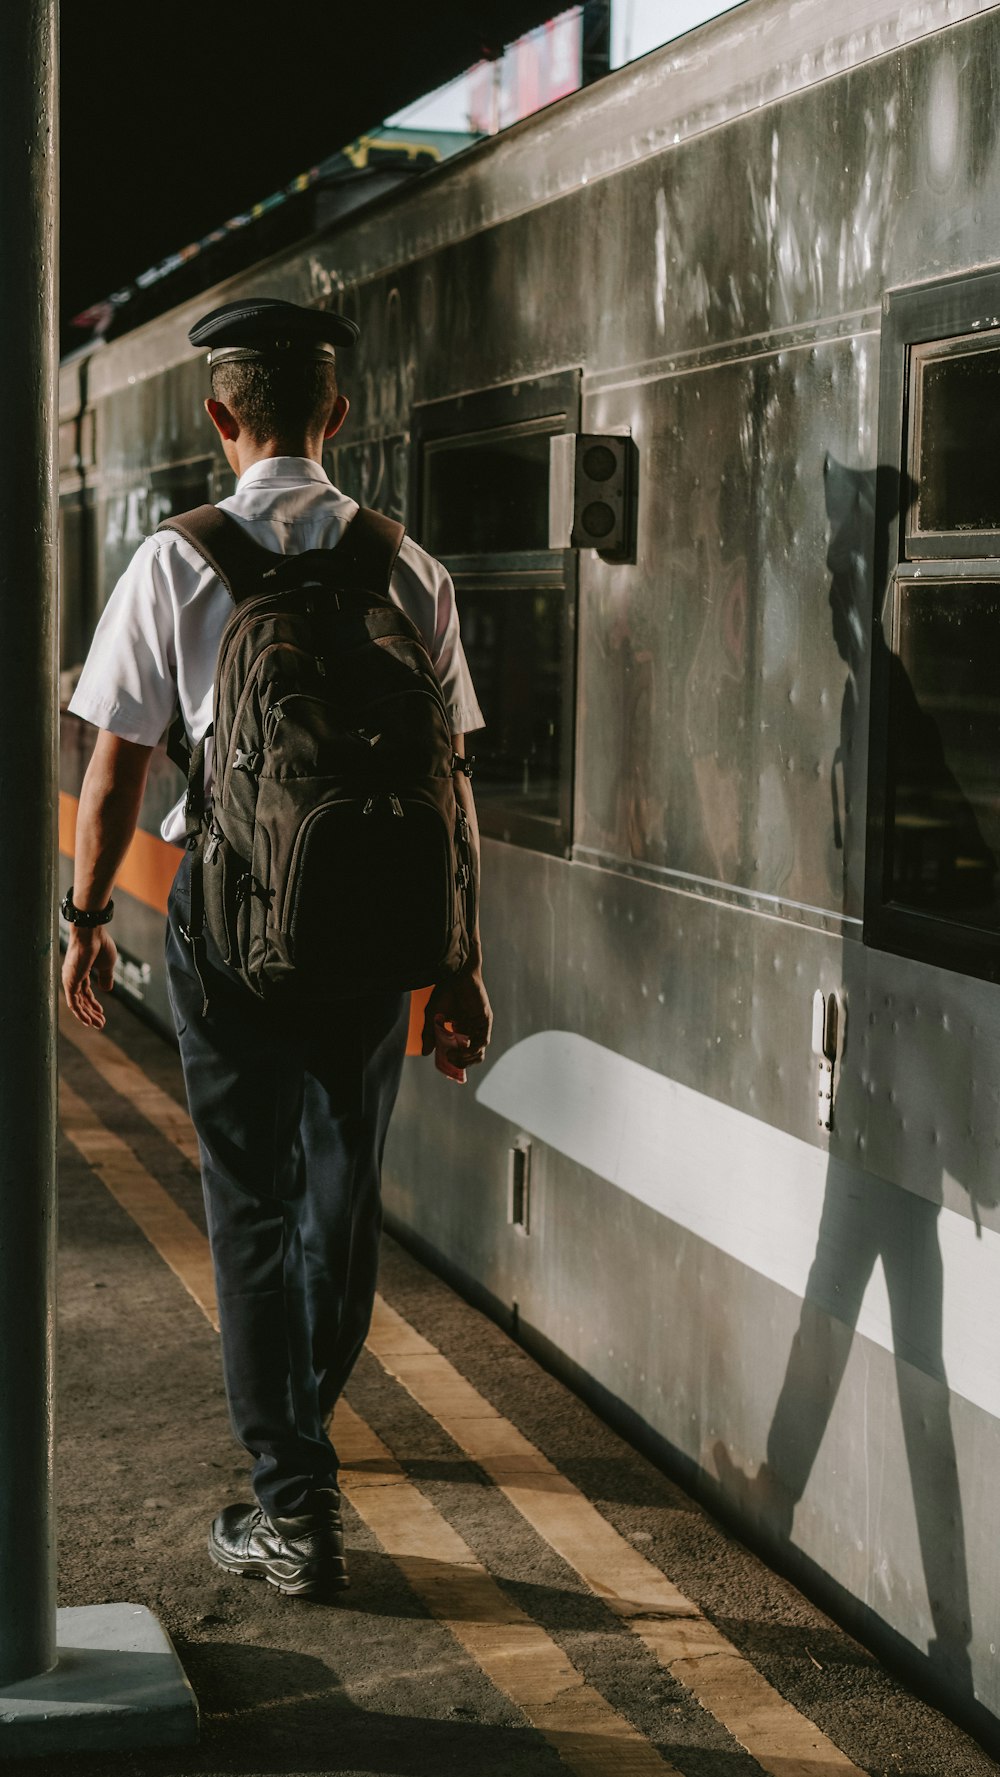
(691, 382)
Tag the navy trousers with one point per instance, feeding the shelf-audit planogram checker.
(291, 1119)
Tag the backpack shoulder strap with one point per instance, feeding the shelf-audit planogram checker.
(224, 544)
(367, 551)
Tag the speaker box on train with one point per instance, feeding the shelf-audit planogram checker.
(592, 486)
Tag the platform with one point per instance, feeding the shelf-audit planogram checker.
(529, 1596)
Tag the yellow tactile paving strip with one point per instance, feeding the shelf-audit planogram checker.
(782, 1740)
(591, 1738)
(164, 1223)
(777, 1735)
(514, 1652)
(122, 1073)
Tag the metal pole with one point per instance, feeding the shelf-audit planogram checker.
(28, 753)
(93, 1677)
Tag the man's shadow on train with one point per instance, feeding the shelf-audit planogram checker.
(866, 1219)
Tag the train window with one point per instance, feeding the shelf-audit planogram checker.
(516, 645)
(933, 865)
(944, 719)
(488, 492)
(481, 489)
(131, 513)
(955, 447)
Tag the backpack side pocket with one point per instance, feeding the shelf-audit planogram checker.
(226, 915)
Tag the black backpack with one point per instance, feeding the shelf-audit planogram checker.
(335, 858)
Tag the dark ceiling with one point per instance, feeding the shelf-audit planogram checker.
(174, 118)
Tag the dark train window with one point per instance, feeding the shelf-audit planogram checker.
(955, 448)
(945, 741)
(481, 480)
(933, 866)
(488, 493)
(129, 514)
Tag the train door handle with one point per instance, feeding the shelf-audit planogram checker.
(828, 1019)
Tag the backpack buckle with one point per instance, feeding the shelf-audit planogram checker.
(248, 884)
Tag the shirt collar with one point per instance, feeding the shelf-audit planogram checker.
(293, 469)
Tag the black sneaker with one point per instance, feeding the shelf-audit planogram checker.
(303, 1555)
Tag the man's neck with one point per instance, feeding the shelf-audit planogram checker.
(248, 453)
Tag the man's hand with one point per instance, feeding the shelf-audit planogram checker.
(90, 954)
(458, 1023)
(110, 799)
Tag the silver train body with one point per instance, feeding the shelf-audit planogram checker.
(696, 254)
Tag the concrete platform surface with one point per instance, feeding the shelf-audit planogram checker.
(529, 1598)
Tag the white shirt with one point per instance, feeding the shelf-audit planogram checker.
(159, 633)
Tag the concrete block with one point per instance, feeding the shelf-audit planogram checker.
(117, 1683)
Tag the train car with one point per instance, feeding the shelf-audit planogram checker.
(692, 381)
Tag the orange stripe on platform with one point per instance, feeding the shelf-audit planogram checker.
(148, 871)
(150, 863)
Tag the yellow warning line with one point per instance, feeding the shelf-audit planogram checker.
(123, 1074)
(782, 1740)
(514, 1652)
(163, 1222)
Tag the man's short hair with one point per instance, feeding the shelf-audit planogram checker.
(277, 398)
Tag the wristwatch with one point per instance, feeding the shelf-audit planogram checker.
(79, 916)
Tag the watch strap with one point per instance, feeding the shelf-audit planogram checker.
(86, 917)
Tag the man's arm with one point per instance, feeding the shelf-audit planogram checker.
(461, 1001)
(109, 810)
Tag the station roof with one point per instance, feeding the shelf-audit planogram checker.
(167, 128)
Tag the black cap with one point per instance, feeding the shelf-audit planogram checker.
(265, 327)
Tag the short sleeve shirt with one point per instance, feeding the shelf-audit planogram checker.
(158, 637)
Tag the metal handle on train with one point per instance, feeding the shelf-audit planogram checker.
(827, 1038)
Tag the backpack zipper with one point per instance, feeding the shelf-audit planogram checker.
(251, 680)
(277, 713)
(465, 880)
(385, 796)
(324, 808)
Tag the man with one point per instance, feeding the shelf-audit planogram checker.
(291, 1119)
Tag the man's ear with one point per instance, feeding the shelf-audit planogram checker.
(337, 417)
(221, 418)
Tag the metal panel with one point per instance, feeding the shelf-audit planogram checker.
(724, 736)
